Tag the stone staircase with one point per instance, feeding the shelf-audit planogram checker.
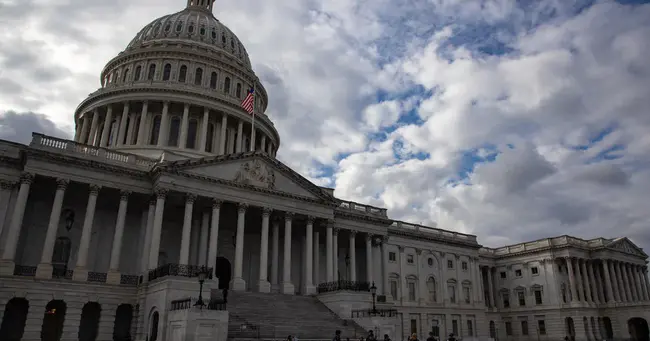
(276, 316)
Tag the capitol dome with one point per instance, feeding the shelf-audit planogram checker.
(176, 92)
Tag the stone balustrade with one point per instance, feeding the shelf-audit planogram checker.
(361, 208)
(440, 233)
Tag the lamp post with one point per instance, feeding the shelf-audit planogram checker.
(373, 291)
(203, 274)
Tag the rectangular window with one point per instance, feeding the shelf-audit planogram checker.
(392, 257)
(470, 328)
(503, 274)
(463, 266)
(393, 289)
(435, 328)
(524, 327)
(409, 259)
(541, 325)
(506, 300)
(414, 326)
(509, 328)
(534, 270)
(452, 293)
(466, 294)
(518, 273)
(454, 327)
(450, 264)
(411, 291)
(538, 297)
(521, 298)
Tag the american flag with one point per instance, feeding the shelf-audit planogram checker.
(249, 102)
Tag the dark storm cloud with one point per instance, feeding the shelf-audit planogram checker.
(18, 127)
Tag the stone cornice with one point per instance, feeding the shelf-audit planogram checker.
(84, 163)
(362, 217)
(432, 238)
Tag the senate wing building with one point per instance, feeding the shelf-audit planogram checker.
(168, 195)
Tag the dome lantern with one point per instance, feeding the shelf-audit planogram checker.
(205, 4)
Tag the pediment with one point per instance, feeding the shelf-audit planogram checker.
(626, 246)
(254, 170)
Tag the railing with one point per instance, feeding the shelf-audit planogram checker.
(41, 141)
(343, 286)
(179, 270)
(24, 270)
(97, 277)
(129, 279)
(61, 273)
(374, 313)
(361, 208)
(402, 225)
(543, 244)
(240, 328)
(188, 303)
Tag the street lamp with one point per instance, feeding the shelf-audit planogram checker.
(203, 274)
(373, 291)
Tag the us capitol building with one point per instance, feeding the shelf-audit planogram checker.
(168, 192)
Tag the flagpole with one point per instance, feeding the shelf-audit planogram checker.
(252, 148)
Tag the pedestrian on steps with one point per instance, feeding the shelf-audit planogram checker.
(386, 337)
(337, 336)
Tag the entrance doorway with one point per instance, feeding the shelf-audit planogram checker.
(638, 329)
(53, 321)
(223, 271)
(13, 322)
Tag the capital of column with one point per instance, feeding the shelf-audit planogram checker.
(26, 178)
(266, 212)
(400, 248)
(242, 207)
(152, 200)
(311, 219)
(124, 195)
(288, 216)
(369, 237)
(190, 198)
(457, 257)
(216, 203)
(335, 231)
(442, 254)
(418, 251)
(62, 184)
(161, 193)
(353, 233)
(94, 189)
(6, 185)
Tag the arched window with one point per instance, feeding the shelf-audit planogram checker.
(155, 130)
(167, 72)
(136, 76)
(223, 39)
(202, 30)
(213, 80)
(198, 76)
(226, 85)
(89, 322)
(190, 29)
(153, 326)
(15, 317)
(192, 128)
(53, 318)
(182, 74)
(125, 75)
(174, 130)
(238, 90)
(179, 26)
(152, 72)
(122, 325)
(210, 138)
(168, 27)
(431, 287)
(214, 34)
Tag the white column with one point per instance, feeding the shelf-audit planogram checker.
(123, 122)
(493, 301)
(205, 237)
(369, 277)
(572, 279)
(6, 188)
(85, 126)
(646, 281)
(610, 280)
(599, 282)
(592, 281)
(222, 137)
(114, 268)
(310, 289)
(214, 234)
(316, 258)
(479, 279)
(585, 279)
(287, 285)
(44, 268)
(353, 256)
(204, 129)
(623, 281)
(144, 261)
(329, 257)
(107, 126)
(630, 282)
(384, 268)
(93, 128)
(184, 258)
(263, 144)
(185, 121)
(142, 128)
(335, 253)
(163, 133)
(636, 271)
(81, 271)
(263, 285)
(240, 137)
(238, 282)
(275, 255)
(154, 249)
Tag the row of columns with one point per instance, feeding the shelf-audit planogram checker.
(623, 282)
(91, 122)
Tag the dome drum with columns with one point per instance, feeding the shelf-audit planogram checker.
(177, 90)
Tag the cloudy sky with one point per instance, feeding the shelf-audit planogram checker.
(512, 120)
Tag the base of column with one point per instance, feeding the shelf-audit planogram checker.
(238, 284)
(7, 268)
(113, 277)
(80, 274)
(264, 286)
(310, 290)
(288, 288)
(275, 288)
(43, 271)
